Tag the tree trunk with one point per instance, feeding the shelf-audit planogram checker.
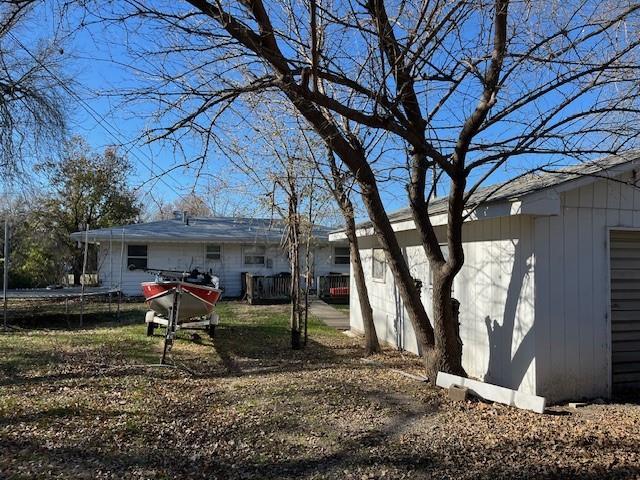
(446, 355)
(399, 268)
(294, 258)
(352, 154)
(371, 344)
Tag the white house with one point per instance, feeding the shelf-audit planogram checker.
(550, 289)
(225, 246)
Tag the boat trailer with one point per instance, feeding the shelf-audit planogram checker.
(178, 305)
(153, 321)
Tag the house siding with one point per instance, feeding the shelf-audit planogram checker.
(572, 284)
(185, 256)
(496, 291)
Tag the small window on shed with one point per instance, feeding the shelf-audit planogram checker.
(214, 252)
(379, 264)
(254, 255)
(341, 256)
(136, 256)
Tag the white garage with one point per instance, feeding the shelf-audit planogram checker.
(550, 289)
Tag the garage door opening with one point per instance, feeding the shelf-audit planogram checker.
(625, 310)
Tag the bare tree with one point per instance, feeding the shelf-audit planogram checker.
(462, 87)
(338, 186)
(290, 186)
(193, 204)
(32, 101)
(284, 183)
(339, 183)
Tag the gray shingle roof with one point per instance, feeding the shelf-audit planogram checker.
(204, 229)
(527, 184)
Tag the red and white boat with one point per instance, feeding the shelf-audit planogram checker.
(181, 300)
(195, 300)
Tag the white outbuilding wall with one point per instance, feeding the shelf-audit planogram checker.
(534, 292)
(572, 288)
(495, 289)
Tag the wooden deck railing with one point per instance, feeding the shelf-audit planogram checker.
(334, 288)
(265, 289)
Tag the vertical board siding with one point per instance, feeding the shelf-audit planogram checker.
(571, 301)
(575, 311)
(495, 288)
(523, 346)
(383, 311)
(585, 284)
(553, 269)
(599, 317)
(557, 308)
(542, 300)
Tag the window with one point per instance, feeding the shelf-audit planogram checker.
(341, 256)
(254, 255)
(136, 256)
(379, 264)
(214, 252)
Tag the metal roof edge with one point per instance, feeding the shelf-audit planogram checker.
(578, 180)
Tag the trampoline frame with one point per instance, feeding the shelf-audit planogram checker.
(66, 293)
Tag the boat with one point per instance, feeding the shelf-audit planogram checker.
(181, 300)
(195, 300)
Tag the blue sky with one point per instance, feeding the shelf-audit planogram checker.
(99, 65)
(105, 121)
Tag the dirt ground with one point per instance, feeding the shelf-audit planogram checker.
(81, 404)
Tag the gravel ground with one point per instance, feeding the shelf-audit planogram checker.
(79, 404)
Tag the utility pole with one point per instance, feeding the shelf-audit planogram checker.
(5, 266)
(83, 279)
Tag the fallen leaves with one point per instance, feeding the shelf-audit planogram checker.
(74, 405)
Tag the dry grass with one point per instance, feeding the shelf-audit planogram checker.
(78, 404)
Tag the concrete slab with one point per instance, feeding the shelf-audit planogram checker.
(329, 315)
(494, 393)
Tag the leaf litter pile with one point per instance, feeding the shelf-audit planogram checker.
(81, 404)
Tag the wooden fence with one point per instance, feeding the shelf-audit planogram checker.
(88, 279)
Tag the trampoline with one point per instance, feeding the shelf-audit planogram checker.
(38, 298)
(34, 303)
(59, 293)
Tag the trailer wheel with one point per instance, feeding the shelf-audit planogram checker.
(211, 330)
(150, 328)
